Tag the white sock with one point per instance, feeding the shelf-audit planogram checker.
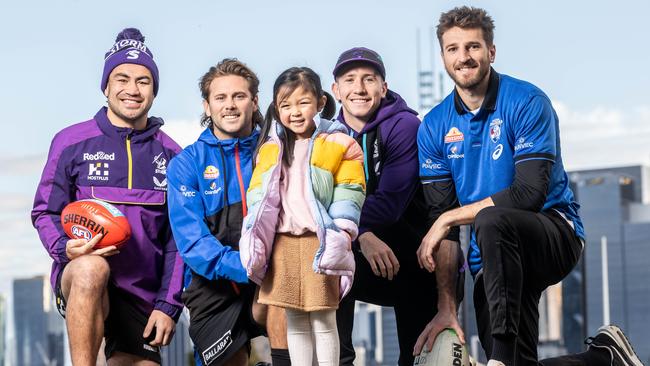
(301, 348)
(304, 330)
(326, 337)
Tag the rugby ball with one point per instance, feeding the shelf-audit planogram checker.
(85, 219)
(446, 351)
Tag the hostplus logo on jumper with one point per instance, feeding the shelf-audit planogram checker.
(98, 171)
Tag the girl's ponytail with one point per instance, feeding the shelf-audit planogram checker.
(330, 106)
(265, 129)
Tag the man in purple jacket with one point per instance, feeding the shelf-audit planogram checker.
(393, 218)
(120, 156)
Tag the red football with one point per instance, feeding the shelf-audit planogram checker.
(86, 218)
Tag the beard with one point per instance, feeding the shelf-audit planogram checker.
(471, 83)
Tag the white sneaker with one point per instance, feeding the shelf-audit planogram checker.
(611, 337)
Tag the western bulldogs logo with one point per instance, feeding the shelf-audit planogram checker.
(495, 129)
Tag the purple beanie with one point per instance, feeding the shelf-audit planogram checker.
(129, 48)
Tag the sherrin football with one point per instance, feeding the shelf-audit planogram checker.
(447, 351)
(85, 219)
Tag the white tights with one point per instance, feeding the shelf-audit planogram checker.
(306, 329)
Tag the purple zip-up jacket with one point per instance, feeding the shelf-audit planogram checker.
(128, 168)
(398, 125)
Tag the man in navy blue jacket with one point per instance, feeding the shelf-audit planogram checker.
(393, 219)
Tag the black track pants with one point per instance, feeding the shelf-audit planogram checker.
(523, 253)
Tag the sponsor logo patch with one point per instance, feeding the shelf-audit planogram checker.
(150, 348)
(211, 172)
(187, 193)
(497, 152)
(213, 189)
(217, 348)
(429, 164)
(453, 153)
(454, 135)
(98, 171)
(160, 184)
(100, 155)
(522, 144)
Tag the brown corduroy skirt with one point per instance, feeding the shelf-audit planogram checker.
(291, 282)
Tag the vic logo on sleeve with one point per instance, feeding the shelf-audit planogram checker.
(187, 193)
(522, 144)
(429, 164)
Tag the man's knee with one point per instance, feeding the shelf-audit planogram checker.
(492, 220)
(260, 313)
(88, 274)
(126, 359)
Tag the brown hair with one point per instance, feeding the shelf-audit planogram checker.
(229, 66)
(466, 17)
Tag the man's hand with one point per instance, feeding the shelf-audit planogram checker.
(164, 328)
(383, 261)
(442, 320)
(431, 241)
(75, 248)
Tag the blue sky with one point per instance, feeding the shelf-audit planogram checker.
(590, 57)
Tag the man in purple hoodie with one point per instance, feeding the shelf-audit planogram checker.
(120, 156)
(393, 218)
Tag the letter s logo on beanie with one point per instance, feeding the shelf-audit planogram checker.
(133, 55)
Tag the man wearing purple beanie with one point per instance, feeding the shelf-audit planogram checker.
(130, 297)
(393, 218)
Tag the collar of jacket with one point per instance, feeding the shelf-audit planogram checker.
(490, 100)
(391, 106)
(248, 142)
(121, 133)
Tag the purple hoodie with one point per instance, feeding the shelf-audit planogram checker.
(91, 160)
(398, 126)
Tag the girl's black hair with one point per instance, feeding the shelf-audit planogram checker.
(289, 81)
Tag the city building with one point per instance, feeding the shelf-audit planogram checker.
(38, 327)
(375, 335)
(616, 213)
(614, 206)
(615, 210)
(3, 328)
(179, 352)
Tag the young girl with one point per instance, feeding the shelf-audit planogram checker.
(304, 202)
